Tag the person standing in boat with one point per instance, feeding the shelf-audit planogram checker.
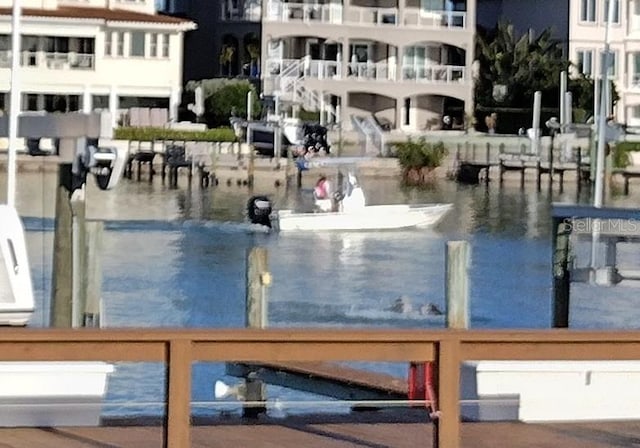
(322, 194)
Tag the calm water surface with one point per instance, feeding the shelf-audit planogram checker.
(177, 258)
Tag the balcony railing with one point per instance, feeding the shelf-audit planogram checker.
(383, 71)
(368, 71)
(355, 15)
(303, 12)
(434, 73)
(319, 69)
(248, 14)
(434, 19)
(53, 61)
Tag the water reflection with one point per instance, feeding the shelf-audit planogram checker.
(176, 257)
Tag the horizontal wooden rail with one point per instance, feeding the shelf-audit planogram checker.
(179, 348)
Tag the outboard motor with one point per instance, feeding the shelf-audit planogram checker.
(259, 210)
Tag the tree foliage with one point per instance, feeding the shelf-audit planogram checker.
(511, 68)
(523, 64)
(224, 98)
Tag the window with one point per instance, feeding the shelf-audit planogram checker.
(100, 102)
(108, 43)
(153, 45)
(360, 52)
(84, 45)
(432, 5)
(137, 44)
(165, 45)
(615, 15)
(635, 69)
(120, 44)
(612, 72)
(61, 103)
(57, 44)
(588, 11)
(32, 102)
(585, 62)
(407, 112)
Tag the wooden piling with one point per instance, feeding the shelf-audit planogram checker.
(62, 275)
(523, 149)
(251, 168)
(258, 280)
(488, 162)
(78, 257)
(457, 284)
(93, 271)
(561, 281)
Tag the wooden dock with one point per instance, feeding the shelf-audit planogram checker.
(473, 165)
(364, 430)
(329, 379)
(627, 174)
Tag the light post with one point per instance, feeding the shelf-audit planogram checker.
(14, 103)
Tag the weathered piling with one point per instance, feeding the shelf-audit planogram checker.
(258, 281)
(93, 272)
(77, 276)
(457, 284)
(561, 231)
(62, 276)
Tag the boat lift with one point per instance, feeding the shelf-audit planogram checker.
(77, 133)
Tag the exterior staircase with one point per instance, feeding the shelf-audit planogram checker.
(290, 87)
(371, 135)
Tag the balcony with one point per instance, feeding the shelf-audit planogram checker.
(250, 13)
(383, 71)
(434, 74)
(51, 61)
(361, 16)
(303, 12)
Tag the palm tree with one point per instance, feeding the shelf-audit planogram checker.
(516, 66)
(226, 58)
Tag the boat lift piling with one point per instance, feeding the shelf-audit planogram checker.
(72, 278)
(258, 282)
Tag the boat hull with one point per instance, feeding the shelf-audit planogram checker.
(16, 291)
(376, 217)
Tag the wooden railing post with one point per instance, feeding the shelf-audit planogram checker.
(447, 429)
(177, 426)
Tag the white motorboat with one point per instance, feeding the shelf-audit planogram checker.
(348, 213)
(16, 290)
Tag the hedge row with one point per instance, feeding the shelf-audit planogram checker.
(151, 134)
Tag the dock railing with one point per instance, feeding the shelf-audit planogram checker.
(180, 348)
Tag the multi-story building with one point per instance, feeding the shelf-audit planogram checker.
(227, 40)
(84, 55)
(588, 23)
(527, 15)
(405, 61)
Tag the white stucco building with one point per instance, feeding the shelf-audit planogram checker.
(407, 62)
(83, 55)
(586, 44)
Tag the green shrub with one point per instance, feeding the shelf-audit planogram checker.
(419, 154)
(150, 134)
(306, 115)
(620, 157)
